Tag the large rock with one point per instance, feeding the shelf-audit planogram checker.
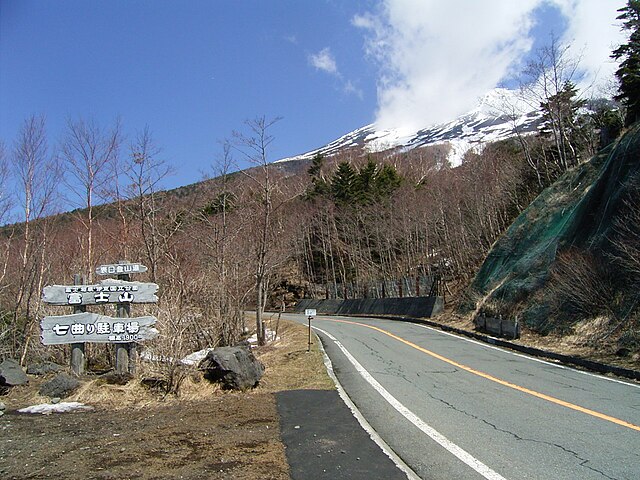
(43, 368)
(11, 374)
(60, 386)
(234, 367)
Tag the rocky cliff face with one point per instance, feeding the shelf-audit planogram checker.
(581, 215)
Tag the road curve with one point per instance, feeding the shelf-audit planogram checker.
(451, 407)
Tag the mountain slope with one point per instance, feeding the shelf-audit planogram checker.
(496, 117)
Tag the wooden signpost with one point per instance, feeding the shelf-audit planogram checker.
(93, 328)
(120, 269)
(107, 291)
(82, 327)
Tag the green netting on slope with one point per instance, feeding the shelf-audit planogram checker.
(578, 210)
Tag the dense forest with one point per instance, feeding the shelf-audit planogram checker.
(357, 224)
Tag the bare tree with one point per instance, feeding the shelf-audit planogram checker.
(222, 228)
(36, 173)
(88, 150)
(7, 237)
(254, 146)
(5, 197)
(145, 172)
(548, 80)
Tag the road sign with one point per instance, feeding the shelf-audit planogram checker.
(91, 327)
(107, 291)
(310, 313)
(120, 269)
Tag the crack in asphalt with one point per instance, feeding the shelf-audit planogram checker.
(582, 461)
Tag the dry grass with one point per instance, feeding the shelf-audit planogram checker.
(581, 343)
(288, 364)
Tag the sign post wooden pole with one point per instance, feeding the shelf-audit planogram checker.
(125, 363)
(82, 327)
(78, 359)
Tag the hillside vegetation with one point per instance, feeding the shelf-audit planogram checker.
(353, 225)
(571, 258)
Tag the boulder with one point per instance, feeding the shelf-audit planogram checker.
(43, 368)
(61, 386)
(236, 368)
(11, 374)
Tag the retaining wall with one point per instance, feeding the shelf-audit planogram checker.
(423, 307)
(498, 326)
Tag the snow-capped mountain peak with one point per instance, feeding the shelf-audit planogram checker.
(496, 116)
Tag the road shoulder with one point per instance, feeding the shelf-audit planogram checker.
(324, 440)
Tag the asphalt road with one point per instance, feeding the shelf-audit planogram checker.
(453, 408)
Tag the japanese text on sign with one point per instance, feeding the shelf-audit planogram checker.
(121, 269)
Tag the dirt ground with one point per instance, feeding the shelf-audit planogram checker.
(135, 434)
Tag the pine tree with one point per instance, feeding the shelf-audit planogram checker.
(319, 185)
(344, 184)
(559, 116)
(628, 73)
(388, 181)
(366, 182)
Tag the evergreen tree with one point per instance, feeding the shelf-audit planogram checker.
(225, 201)
(319, 185)
(628, 73)
(366, 183)
(388, 181)
(559, 116)
(344, 184)
(607, 118)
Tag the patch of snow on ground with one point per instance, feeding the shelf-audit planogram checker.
(380, 140)
(63, 407)
(270, 335)
(196, 357)
(149, 356)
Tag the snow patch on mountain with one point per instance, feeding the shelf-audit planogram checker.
(497, 116)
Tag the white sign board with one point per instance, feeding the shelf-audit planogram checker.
(310, 312)
(121, 269)
(91, 327)
(107, 291)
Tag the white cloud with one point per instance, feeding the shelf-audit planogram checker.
(593, 33)
(436, 58)
(324, 60)
(351, 89)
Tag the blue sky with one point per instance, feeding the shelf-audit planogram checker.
(194, 71)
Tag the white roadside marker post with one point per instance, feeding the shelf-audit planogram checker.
(310, 313)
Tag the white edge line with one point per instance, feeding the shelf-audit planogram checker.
(443, 441)
(527, 357)
(411, 475)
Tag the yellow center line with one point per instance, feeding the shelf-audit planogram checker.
(499, 381)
